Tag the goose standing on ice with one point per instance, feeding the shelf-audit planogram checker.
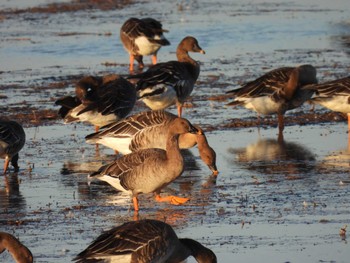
(276, 92)
(12, 140)
(98, 100)
(149, 170)
(142, 37)
(169, 83)
(149, 129)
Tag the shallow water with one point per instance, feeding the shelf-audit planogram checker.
(282, 201)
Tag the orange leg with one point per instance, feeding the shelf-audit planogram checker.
(6, 164)
(349, 122)
(215, 172)
(154, 59)
(179, 110)
(97, 128)
(280, 123)
(131, 66)
(136, 203)
(280, 138)
(175, 200)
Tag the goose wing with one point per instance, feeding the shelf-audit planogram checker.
(265, 85)
(331, 88)
(114, 97)
(13, 135)
(173, 73)
(143, 239)
(133, 125)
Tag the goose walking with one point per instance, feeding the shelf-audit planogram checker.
(98, 100)
(19, 252)
(169, 83)
(142, 37)
(144, 241)
(149, 170)
(149, 129)
(276, 92)
(334, 95)
(12, 140)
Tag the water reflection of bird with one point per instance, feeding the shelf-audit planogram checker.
(276, 92)
(144, 241)
(98, 100)
(149, 130)
(19, 252)
(271, 156)
(11, 199)
(142, 37)
(149, 170)
(169, 83)
(334, 95)
(12, 140)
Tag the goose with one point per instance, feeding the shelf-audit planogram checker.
(334, 95)
(148, 129)
(19, 252)
(149, 170)
(169, 83)
(276, 92)
(12, 140)
(144, 241)
(98, 100)
(142, 37)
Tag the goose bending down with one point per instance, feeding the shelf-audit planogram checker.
(149, 170)
(98, 100)
(334, 95)
(171, 82)
(12, 140)
(19, 252)
(277, 91)
(149, 129)
(142, 37)
(144, 241)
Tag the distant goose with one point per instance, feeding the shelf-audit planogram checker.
(142, 37)
(12, 140)
(334, 95)
(149, 170)
(99, 100)
(149, 130)
(144, 241)
(277, 91)
(169, 83)
(19, 252)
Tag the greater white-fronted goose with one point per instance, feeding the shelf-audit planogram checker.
(12, 140)
(149, 129)
(170, 83)
(149, 170)
(144, 241)
(99, 100)
(334, 95)
(142, 37)
(19, 252)
(277, 91)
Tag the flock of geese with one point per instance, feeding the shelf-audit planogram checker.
(150, 141)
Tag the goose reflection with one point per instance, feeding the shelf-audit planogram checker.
(11, 199)
(74, 175)
(275, 156)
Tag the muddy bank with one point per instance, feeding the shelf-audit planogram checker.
(72, 6)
